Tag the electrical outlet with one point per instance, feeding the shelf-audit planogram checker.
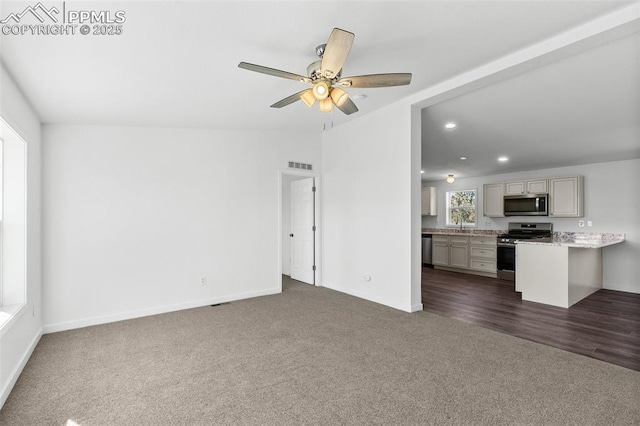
(203, 281)
(589, 223)
(581, 223)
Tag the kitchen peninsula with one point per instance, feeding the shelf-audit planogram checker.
(564, 271)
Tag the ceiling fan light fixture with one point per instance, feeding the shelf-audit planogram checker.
(326, 105)
(339, 96)
(308, 98)
(450, 178)
(321, 90)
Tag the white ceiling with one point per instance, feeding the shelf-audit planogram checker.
(582, 109)
(175, 65)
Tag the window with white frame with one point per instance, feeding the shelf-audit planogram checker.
(13, 222)
(461, 208)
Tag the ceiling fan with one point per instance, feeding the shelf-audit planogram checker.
(325, 76)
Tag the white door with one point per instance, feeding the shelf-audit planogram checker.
(302, 230)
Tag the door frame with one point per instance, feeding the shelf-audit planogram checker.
(318, 236)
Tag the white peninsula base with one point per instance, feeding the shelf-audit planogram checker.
(557, 275)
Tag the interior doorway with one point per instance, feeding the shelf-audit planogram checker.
(298, 224)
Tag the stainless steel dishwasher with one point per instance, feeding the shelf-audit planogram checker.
(427, 258)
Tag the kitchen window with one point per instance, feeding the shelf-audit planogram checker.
(461, 208)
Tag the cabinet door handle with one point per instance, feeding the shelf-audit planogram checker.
(291, 235)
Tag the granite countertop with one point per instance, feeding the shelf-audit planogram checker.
(579, 240)
(467, 232)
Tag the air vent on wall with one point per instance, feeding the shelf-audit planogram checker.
(303, 166)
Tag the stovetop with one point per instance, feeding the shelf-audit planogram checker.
(527, 231)
(505, 238)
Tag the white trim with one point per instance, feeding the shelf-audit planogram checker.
(366, 296)
(417, 308)
(14, 313)
(69, 325)
(13, 377)
(4, 126)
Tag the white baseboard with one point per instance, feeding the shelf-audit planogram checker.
(13, 378)
(70, 325)
(417, 308)
(365, 296)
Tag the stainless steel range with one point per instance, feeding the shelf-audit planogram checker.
(542, 232)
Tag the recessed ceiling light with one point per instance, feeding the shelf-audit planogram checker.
(463, 158)
(503, 159)
(450, 125)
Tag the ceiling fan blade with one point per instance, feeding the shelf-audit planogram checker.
(376, 80)
(273, 71)
(288, 100)
(348, 107)
(336, 52)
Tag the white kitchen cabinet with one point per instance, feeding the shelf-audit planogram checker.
(482, 254)
(451, 251)
(440, 250)
(566, 196)
(535, 186)
(459, 254)
(429, 205)
(493, 200)
(467, 254)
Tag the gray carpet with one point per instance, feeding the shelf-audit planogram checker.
(312, 356)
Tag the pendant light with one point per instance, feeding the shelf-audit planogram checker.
(450, 178)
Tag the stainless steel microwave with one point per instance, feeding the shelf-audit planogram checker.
(526, 205)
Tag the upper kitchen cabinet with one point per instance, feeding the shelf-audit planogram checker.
(429, 205)
(566, 196)
(537, 186)
(493, 200)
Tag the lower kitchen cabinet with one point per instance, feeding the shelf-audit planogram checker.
(482, 254)
(458, 252)
(470, 255)
(451, 251)
(440, 250)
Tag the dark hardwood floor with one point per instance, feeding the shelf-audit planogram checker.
(605, 325)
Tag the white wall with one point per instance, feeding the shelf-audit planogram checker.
(134, 217)
(19, 339)
(611, 202)
(367, 171)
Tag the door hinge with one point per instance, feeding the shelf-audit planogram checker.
(313, 189)
(314, 267)
(313, 228)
